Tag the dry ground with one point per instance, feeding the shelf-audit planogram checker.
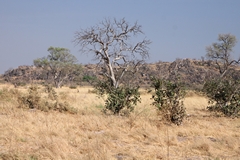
(90, 135)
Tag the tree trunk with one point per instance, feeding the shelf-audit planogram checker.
(112, 75)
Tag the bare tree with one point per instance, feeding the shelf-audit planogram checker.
(221, 52)
(111, 44)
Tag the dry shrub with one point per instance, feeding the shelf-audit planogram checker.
(34, 100)
(8, 94)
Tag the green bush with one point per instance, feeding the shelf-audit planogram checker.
(168, 99)
(88, 78)
(120, 100)
(224, 96)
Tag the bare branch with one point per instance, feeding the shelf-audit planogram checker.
(221, 52)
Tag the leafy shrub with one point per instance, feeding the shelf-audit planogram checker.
(102, 87)
(224, 96)
(120, 100)
(168, 99)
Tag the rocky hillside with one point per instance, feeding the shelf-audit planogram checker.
(192, 73)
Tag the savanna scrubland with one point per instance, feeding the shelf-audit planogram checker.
(90, 134)
(39, 122)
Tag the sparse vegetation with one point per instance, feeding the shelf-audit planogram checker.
(9, 95)
(27, 134)
(34, 100)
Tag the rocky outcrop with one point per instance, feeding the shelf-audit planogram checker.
(192, 72)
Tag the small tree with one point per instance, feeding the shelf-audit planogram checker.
(223, 91)
(60, 63)
(118, 55)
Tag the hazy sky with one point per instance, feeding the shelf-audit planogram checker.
(177, 28)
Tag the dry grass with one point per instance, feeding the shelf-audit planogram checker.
(32, 134)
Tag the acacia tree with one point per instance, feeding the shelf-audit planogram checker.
(60, 63)
(111, 44)
(221, 52)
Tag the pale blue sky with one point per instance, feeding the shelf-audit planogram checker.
(177, 28)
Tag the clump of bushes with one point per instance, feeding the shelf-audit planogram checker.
(168, 99)
(33, 100)
(224, 96)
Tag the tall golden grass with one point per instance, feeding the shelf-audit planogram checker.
(91, 135)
